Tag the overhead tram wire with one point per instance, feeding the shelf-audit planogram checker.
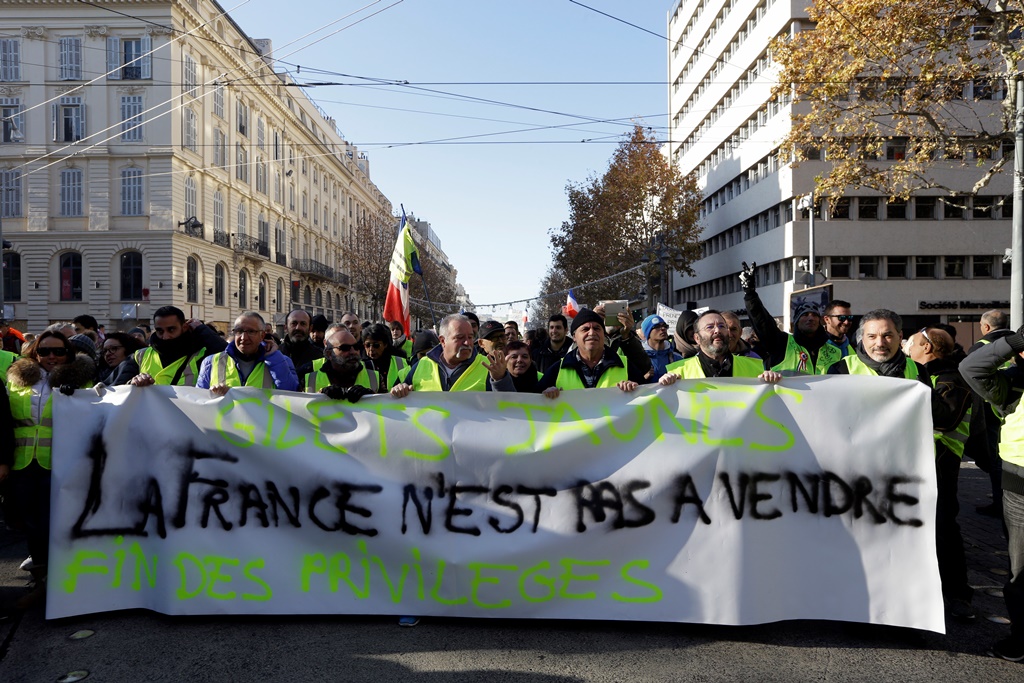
(171, 100)
(539, 296)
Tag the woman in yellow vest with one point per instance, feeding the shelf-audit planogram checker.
(384, 358)
(49, 363)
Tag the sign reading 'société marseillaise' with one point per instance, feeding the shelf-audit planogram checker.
(714, 501)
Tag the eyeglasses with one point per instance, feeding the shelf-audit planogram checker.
(112, 349)
(924, 333)
(239, 331)
(344, 348)
(373, 345)
(841, 318)
(58, 351)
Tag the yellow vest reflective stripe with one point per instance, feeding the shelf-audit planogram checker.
(149, 363)
(690, 368)
(956, 439)
(6, 360)
(397, 370)
(797, 360)
(317, 379)
(858, 367)
(428, 376)
(569, 378)
(31, 440)
(224, 371)
(1011, 437)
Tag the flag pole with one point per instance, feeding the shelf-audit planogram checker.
(430, 303)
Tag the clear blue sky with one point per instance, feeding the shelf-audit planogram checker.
(490, 204)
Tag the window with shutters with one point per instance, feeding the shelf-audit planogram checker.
(191, 198)
(218, 211)
(71, 192)
(220, 148)
(189, 77)
(68, 119)
(129, 58)
(218, 100)
(10, 59)
(69, 59)
(131, 192)
(188, 122)
(241, 162)
(10, 193)
(261, 133)
(242, 118)
(243, 220)
(261, 175)
(131, 118)
(13, 119)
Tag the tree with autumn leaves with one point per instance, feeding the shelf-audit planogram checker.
(640, 210)
(924, 87)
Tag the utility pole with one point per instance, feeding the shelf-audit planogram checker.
(807, 202)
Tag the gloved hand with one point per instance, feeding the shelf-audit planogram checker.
(747, 279)
(354, 393)
(67, 389)
(334, 392)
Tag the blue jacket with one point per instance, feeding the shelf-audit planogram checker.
(661, 359)
(278, 365)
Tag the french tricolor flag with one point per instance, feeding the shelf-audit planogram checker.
(571, 308)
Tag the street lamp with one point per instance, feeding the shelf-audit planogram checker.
(807, 202)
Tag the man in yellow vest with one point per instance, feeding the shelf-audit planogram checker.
(251, 360)
(805, 352)
(878, 352)
(341, 373)
(175, 352)
(456, 364)
(931, 347)
(592, 364)
(714, 359)
(1002, 386)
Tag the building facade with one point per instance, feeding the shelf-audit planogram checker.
(159, 159)
(931, 258)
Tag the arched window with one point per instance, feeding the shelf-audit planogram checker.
(262, 295)
(243, 290)
(307, 296)
(12, 276)
(319, 298)
(192, 280)
(131, 276)
(219, 277)
(278, 302)
(70, 276)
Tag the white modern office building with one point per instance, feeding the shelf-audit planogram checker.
(151, 155)
(927, 259)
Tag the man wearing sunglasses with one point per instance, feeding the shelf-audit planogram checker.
(838, 322)
(341, 373)
(252, 359)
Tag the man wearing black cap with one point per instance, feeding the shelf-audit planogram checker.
(318, 330)
(806, 351)
(492, 337)
(592, 365)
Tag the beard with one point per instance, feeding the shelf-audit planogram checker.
(346, 370)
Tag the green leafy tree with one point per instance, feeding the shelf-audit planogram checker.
(640, 210)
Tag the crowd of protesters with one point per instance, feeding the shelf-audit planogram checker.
(975, 394)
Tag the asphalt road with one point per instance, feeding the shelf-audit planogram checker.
(142, 646)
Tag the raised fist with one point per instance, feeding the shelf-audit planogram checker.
(747, 279)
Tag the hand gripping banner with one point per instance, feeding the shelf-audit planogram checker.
(716, 501)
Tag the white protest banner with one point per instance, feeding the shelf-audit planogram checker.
(717, 501)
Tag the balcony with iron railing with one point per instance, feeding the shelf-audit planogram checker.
(311, 267)
(252, 245)
(221, 238)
